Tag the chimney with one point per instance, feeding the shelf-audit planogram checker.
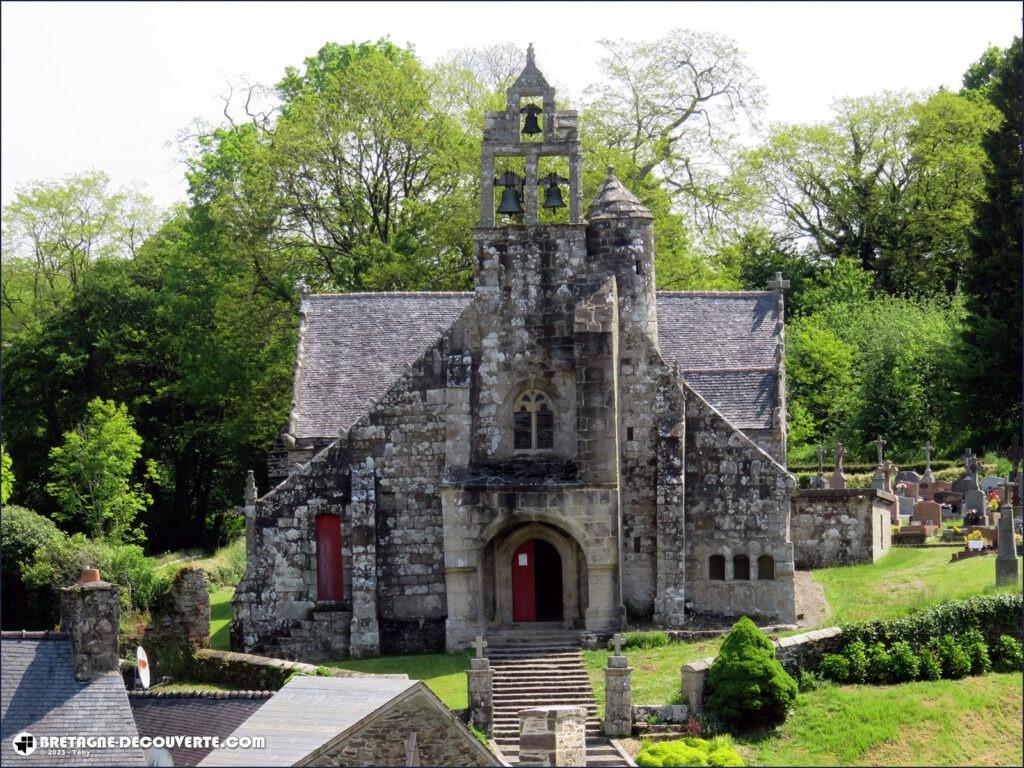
(90, 613)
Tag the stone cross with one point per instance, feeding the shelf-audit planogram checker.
(838, 480)
(888, 470)
(1014, 456)
(479, 644)
(819, 481)
(778, 284)
(928, 476)
(617, 643)
(879, 445)
(840, 452)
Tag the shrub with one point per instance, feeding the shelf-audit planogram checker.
(807, 681)
(931, 667)
(993, 615)
(835, 667)
(689, 751)
(857, 656)
(1008, 654)
(904, 665)
(22, 533)
(747, 685)
(955, 662)
(878, 664)
(973, 643)
(642, 640)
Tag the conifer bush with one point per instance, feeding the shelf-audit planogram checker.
(746, 684)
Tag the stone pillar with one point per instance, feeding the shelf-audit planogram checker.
(618, 697)
(553, 736)
(670, 597)
(694, 675)
(1006, 559)
(365, 638)
(90, 612)
(249, 511)
(531, 187)
(186, 613)
(481, 703)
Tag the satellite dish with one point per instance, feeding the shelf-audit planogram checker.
(142, 665)
(158, 756)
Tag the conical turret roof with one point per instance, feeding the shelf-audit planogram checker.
(614, 201)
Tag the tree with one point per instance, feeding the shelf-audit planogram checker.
(990, 355)
(92, 473)
(672, 107)
(6, 476)
(53, 232)
(890, 181)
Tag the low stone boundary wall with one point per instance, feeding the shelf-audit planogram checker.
(666, 713)
(595, 641)
(247, 671)
(792, 652)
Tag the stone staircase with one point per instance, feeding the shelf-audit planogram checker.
(539, 665)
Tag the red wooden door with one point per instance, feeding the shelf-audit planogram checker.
(524, 595)
(329, 585)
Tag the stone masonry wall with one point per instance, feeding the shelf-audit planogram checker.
(440, 739)
(840, 527)
(737, 505)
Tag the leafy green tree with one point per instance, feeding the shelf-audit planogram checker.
(6, 475)
(22, 534)
(990, 373)
(53, 231)
(747, 685)
(92, 473)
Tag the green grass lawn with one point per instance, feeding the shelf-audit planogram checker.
(444, 673)
(974, 721)
(905, 580)
(220, 618)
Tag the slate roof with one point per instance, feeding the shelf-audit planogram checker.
(614, 201)
(187, 713)
(39, 694)
(356, 345)
(307, 713)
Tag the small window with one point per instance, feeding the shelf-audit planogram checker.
(741, 568)
(765, 568)
(636, 544)
(716, 568)
(629, 434)
(534, 422)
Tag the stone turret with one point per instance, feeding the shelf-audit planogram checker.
(90, 612)
(620, 241)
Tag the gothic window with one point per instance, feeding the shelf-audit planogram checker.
(765, 568)
(716, 568)
(534, 422)
(741, 568)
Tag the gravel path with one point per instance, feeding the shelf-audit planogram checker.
(812, 608)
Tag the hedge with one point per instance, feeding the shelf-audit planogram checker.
(992, 615)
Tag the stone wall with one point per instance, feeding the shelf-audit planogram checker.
(249, 672)
(839, 527)
(90, 613)
(737, 505)
(184, 612)
(439, 739)
(553, 736)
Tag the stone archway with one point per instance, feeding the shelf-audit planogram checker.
(508, 545)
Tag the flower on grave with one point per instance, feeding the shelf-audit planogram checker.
(993, 500)
(973, 536)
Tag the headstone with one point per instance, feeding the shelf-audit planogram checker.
(908, 476)
(838, 479)
(1006, 558)
(991, 482)
(905, 506)
(927, 512)
(928, 477)
(970, 479)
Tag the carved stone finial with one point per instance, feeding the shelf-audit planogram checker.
(302, 287)
(530, 61)
(250, 489)
(779, 283)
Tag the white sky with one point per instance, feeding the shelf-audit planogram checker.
(109, 85)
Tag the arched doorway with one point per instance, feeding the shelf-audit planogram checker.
(536, 582)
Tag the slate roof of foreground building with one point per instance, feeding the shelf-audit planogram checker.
(39, 694)
(193, 713)
(354, 346)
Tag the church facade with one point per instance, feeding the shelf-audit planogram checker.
(564, 444)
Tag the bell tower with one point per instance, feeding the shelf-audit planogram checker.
(511, 134)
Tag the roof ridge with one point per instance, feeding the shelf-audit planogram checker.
(25, 634)
(156, 694)
(730, 369)
(396, 294)
(726, 294)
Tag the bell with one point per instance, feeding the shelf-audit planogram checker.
(530, 126)
(553, 197)
(510, 202)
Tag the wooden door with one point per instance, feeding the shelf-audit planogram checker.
(329, 584)
(524, 595)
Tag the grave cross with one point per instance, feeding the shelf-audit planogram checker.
(821, 460)
(928, 476)
(617, 643)
(968, 460)
(839, 454)
(479, 644)
(1014, 456)
(779, 283)
(879, 445)
(888, 470)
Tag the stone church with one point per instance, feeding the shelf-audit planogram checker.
(564, 444)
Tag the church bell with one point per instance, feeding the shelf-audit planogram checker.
(510, 204)
(552, 192)
(530, 125)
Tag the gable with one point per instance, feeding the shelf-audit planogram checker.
(39, 694)
(353, 347)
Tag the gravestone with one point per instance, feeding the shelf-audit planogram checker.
(992, 483)
(888, 470)
(878, 479)
(927, 512)
(1006, 559)
(905, 507)
(838, 479)
(819, 480)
